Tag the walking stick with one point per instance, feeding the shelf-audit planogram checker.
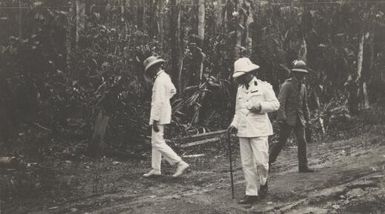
(231, 164)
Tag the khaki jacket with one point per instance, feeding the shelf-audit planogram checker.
(293, 100)
(162, 91)
(251, 124)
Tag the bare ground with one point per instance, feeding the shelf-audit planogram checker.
(350, 178)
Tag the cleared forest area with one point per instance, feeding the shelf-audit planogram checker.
(74, 103)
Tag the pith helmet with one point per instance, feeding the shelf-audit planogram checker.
(151, 61)
(299, 66)
(243, 66)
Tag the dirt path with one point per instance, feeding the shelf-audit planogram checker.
(350, 178)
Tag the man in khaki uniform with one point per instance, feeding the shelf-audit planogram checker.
(162, 91)
(293, 114)
(255, 98)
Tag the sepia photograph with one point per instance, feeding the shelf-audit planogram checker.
(192, 106)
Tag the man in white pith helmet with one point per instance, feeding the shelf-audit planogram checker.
(163, 90)
(255, 98)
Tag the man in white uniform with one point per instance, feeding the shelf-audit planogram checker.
(162, 91)
(255, 98)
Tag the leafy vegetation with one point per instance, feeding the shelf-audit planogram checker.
(64, 63)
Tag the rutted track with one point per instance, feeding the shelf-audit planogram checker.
(350, 174)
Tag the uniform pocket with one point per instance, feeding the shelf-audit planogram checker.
(259, 122)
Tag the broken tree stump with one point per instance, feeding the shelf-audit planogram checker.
(97, 145)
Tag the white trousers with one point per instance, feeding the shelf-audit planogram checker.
(160, 148)
(255, 162)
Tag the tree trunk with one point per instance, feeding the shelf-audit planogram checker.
(175, 42)
(227, 14)
(140, 14)
(20, 19)
(201, 35)
(365, 97)
(144, 22)
(201, 66)
(364, 104)
(239, 30)
(353, 82)
(249, 20)
(224, 18)
(201, 22)
(69, 35)
(97, 145)
(302, 55)
(77, 21)
(370, 72)
(360, 57)
(7, 112)
(80, 19)
(160, 20)
(133, 12)
(200, 57)
(218, 11)
(153, 14)
(173, 37)
(180, 51)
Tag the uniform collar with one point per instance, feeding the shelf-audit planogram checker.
(252, 81)
(157, 74)
(295, 79)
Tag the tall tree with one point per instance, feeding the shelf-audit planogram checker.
(359, 80)
(239, 28)
(20, 19)
(218, 8)
(80, 6)
(69, 32)
(175, 42)
(160, 14)
(201, 21)
(248, 6)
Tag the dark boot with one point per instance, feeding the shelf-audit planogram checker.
(263, 190)
(248, 199)
(270, 163)
(305, 170)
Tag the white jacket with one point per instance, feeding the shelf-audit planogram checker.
(162, 91)
(251, 124)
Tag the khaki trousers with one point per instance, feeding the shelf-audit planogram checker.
(284, 133)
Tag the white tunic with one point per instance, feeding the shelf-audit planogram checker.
(251, 124)
(162, 91)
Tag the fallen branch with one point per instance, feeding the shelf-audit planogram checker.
(201, 136)
(199, 139)
(42, 127)
(194, 140)
(200, 142)
(193, 156)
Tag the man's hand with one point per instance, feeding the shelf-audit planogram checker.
(256, 110)
(282, 122)
(232, 129)
(155, 126)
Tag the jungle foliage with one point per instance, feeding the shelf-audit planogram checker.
(67, 66)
